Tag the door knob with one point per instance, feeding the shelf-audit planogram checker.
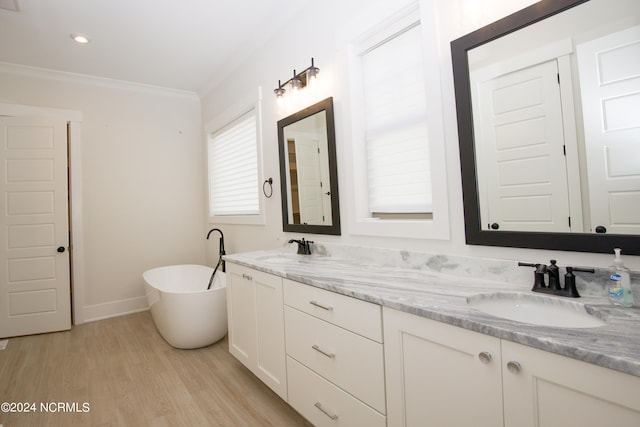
(61, 249)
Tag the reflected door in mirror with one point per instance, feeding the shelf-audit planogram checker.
(308, 172)
(522, 175)
(610, 82)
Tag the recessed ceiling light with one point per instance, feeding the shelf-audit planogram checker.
(80, 38)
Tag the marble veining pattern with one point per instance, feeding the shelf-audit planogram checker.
(438, 288)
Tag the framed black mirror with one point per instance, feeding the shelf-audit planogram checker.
(521, 187)
(308, 172)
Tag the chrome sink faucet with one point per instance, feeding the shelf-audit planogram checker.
(554, 286)
(304, 246)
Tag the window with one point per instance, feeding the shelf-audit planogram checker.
(395, 119)
(397, 151)
(233, 165)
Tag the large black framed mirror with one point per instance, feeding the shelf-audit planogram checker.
(308, 171)
(504, 134)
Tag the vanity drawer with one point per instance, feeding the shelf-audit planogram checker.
(358, 316)
(350, 361)
(323, 403)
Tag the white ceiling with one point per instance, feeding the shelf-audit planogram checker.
(179, 44)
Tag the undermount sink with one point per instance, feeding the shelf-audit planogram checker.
(537, 310)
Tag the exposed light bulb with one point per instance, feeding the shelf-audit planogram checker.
(313, 73)
(295, 82)
(279, 91)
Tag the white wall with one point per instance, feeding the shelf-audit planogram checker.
(320, 32)
(141, 201)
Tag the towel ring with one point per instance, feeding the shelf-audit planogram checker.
(270, 182)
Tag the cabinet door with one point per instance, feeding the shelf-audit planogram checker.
(549, 390)
(256, 324)
(270, 357)
(440, 375)
(241, 309)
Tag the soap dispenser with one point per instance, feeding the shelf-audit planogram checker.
(619, 282)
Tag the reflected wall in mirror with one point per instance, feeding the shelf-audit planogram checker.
(308, 173)
(549, 129)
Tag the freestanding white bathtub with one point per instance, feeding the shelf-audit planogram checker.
(186, 314)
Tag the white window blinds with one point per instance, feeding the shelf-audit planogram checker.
(233, 168)
(396, 133)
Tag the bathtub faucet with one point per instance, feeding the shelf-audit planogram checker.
(221, 250)
(304, 247)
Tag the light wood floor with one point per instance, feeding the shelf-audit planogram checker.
(130, 376)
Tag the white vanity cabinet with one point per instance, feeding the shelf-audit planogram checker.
(335, 357)
(438, 374)
(256, 324)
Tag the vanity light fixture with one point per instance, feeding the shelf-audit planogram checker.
(80, 38)
(298, 81)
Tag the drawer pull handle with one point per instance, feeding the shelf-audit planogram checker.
(246, 276)
(324, 411)
(317, 348)
(324, 307)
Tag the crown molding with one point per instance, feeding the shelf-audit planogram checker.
(85, 79)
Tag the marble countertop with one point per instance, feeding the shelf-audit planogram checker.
(443, 297)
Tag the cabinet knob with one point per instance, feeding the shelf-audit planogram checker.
(485, 357)
(246, 276)
(514, 367)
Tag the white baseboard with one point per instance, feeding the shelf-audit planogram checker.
(114, 309)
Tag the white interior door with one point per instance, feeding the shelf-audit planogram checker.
(34, 234)
(520, 146)
(610, 84)
(309, 181)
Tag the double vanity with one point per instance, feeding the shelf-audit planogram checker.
(351, 336)
(397, 338)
